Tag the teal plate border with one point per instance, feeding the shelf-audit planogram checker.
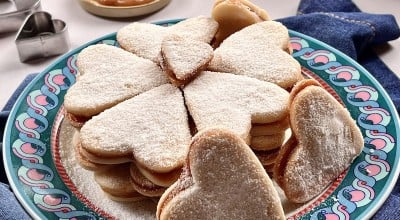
(357, 194)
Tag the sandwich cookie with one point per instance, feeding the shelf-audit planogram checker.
(143, 185)
(233, 15)
(160, 179)
(83, 161)
(324, 142)
(234, 102)
(109, 75)
(200, 28)
(259, 51)
(222, 179)
(151, 129)
(269, 128)
(183, 59)
(145, 39)
(115, 182)
(267, 158)
(267, 142)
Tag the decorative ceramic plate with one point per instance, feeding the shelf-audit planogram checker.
(41, 173)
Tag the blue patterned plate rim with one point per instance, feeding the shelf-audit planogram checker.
(376, 204)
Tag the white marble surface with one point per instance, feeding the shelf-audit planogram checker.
(84, 27)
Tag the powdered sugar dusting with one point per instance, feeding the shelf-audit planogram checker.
(109, 75)
(218, 159)
(185, 56)
(199, 28)
(258, 51)
(234, 102)
(145, 39)
(328, 138)
(142, 39)
(153, 126)
(86, 185)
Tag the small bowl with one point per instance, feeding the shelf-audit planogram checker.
(96, 8)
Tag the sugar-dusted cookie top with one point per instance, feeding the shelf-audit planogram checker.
(144, 39)
(259, 51)
(199, 28)
(109, 76)
(183, 59)
(151, 127)
(324, 143)
(234, 102)
(223, 179)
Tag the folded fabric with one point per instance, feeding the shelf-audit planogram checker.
(4, 115)
(9, 208)
(342, 25)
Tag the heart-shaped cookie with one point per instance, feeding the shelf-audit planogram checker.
(259, 51)
(222, 179)
(325, 140)
(109, 75)
(145, 39)
(183, 59)
(142, 39)
(151, 128)
(234, 102)
(80, 158)
(199, 28)
(233, 15)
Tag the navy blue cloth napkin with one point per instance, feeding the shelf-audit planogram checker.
(3, 119)
(336, 22)
(342, 25)
(9, 206)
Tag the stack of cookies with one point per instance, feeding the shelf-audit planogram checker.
(134, 136)
(267, 139)
(267, 43)
(167, 115)
(131, 141)
(140, 128)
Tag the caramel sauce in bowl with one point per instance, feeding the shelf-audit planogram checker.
(124, 2)
(122, 8)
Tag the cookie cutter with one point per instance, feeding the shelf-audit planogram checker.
(41, 36)
(11, 21)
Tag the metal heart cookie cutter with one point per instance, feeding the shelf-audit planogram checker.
(11, 21)
(41, 36)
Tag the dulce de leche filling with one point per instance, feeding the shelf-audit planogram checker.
(144, 185)
(161, 179)
(99, 158)
(123, 2)
(283, 158)
(75, 120)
